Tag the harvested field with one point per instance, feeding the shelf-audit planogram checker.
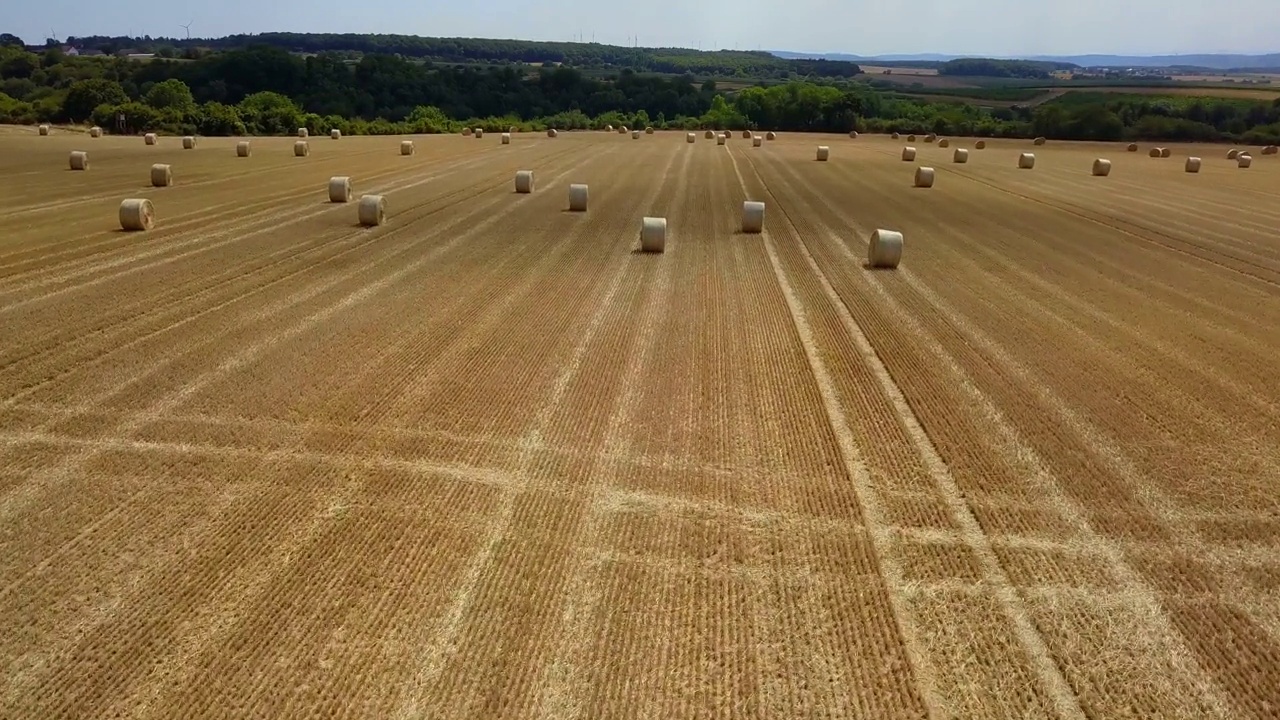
(488, 461)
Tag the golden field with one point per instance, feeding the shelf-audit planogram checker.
(487, 461)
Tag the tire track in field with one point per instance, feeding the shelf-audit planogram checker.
(174, 306)
(1021, 454)
(562, 696)
(205, 242)
(442, 647)
(284, 554)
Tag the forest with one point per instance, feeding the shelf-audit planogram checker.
(268, 90)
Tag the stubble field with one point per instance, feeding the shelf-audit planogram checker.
(486, 461)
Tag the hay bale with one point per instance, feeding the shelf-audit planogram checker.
(150, 139)
(980, 145)
(608, 128)
(756, 141)
(624, 130)
(188, 142)
(752, 217)
(406, 147)
(79, 160)
(95, 131)
(1232, 154)
(301, 148)
(552, 133)
(513, 130)
(635, 134)
(853, 134)
(137, 214)
(944, 143)
(335, 134)
(524, 181)
(771, 135)
(653, 235)
(339, 189)
(44, 130)
(911, 138)
(908, 154)
(709, 135)
(578, 198)
(931, 137)
(1039, 141)
(479, 133)
(506, 138)
(690, 138)
(924, 177)
(1153, 152)
(824, 152)
(161, 175)
(895, 136)
(1026, 161)
(304, 133)
(746, 135)
(960, 156)
(243, 149)
(1165, 152)
(1244, 160)
(466, 132)
(648, 130)
(884, 249)
(372, 210)
(1101, 167)
(1193, 165)
(1133, 147)
(1271, 150)
(719, 139)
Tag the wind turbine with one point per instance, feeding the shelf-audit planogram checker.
(187, 27)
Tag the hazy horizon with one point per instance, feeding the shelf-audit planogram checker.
(858, 27)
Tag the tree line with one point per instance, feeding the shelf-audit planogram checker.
(266, 90)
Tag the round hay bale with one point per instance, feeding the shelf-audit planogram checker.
(466, 132)
(335, 134)
(752, 217)
(304, 133)
(908, 154)
(924, 177)
(884, 249)
(648, 130)
(756, 141)
(1026, 161)
(690, 138)
(1153, 152)
(624, 130)
(1039, 141)
(79, 160)
(1101, 167)
(506, 138)
(944, 143)
(1232, 154)
(301, 148)
(1133, 147)
(95, 131)
(824, 152)
(188, 142)
(635, 134)
(653, 235)
(150, 139)
(552, 133)
(372, 210)
(161, 175)
(911, 138)
(719, 139)
(980, 145)
(608, 128)
(1193, 165)
(853, 134)
(479, 133)
(137, 214)
(524, 181)
(895, 136)
(1244, 160)
(44, 130)
(931, 137)
(960, 156)
(406, 147)
(771, 135)
(243, 149)
(709, 135)
(512, 130)
(339, 189)
(746, 135)
(1271, 150)
(578, 198)
(1165, 152)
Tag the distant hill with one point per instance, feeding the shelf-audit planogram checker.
(1209, 61)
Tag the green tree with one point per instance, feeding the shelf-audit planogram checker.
(85, 96)
(170, 94)
(214, 118)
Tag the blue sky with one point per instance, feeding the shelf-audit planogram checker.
(865, 27)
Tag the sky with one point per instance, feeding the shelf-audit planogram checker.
(861, 27)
